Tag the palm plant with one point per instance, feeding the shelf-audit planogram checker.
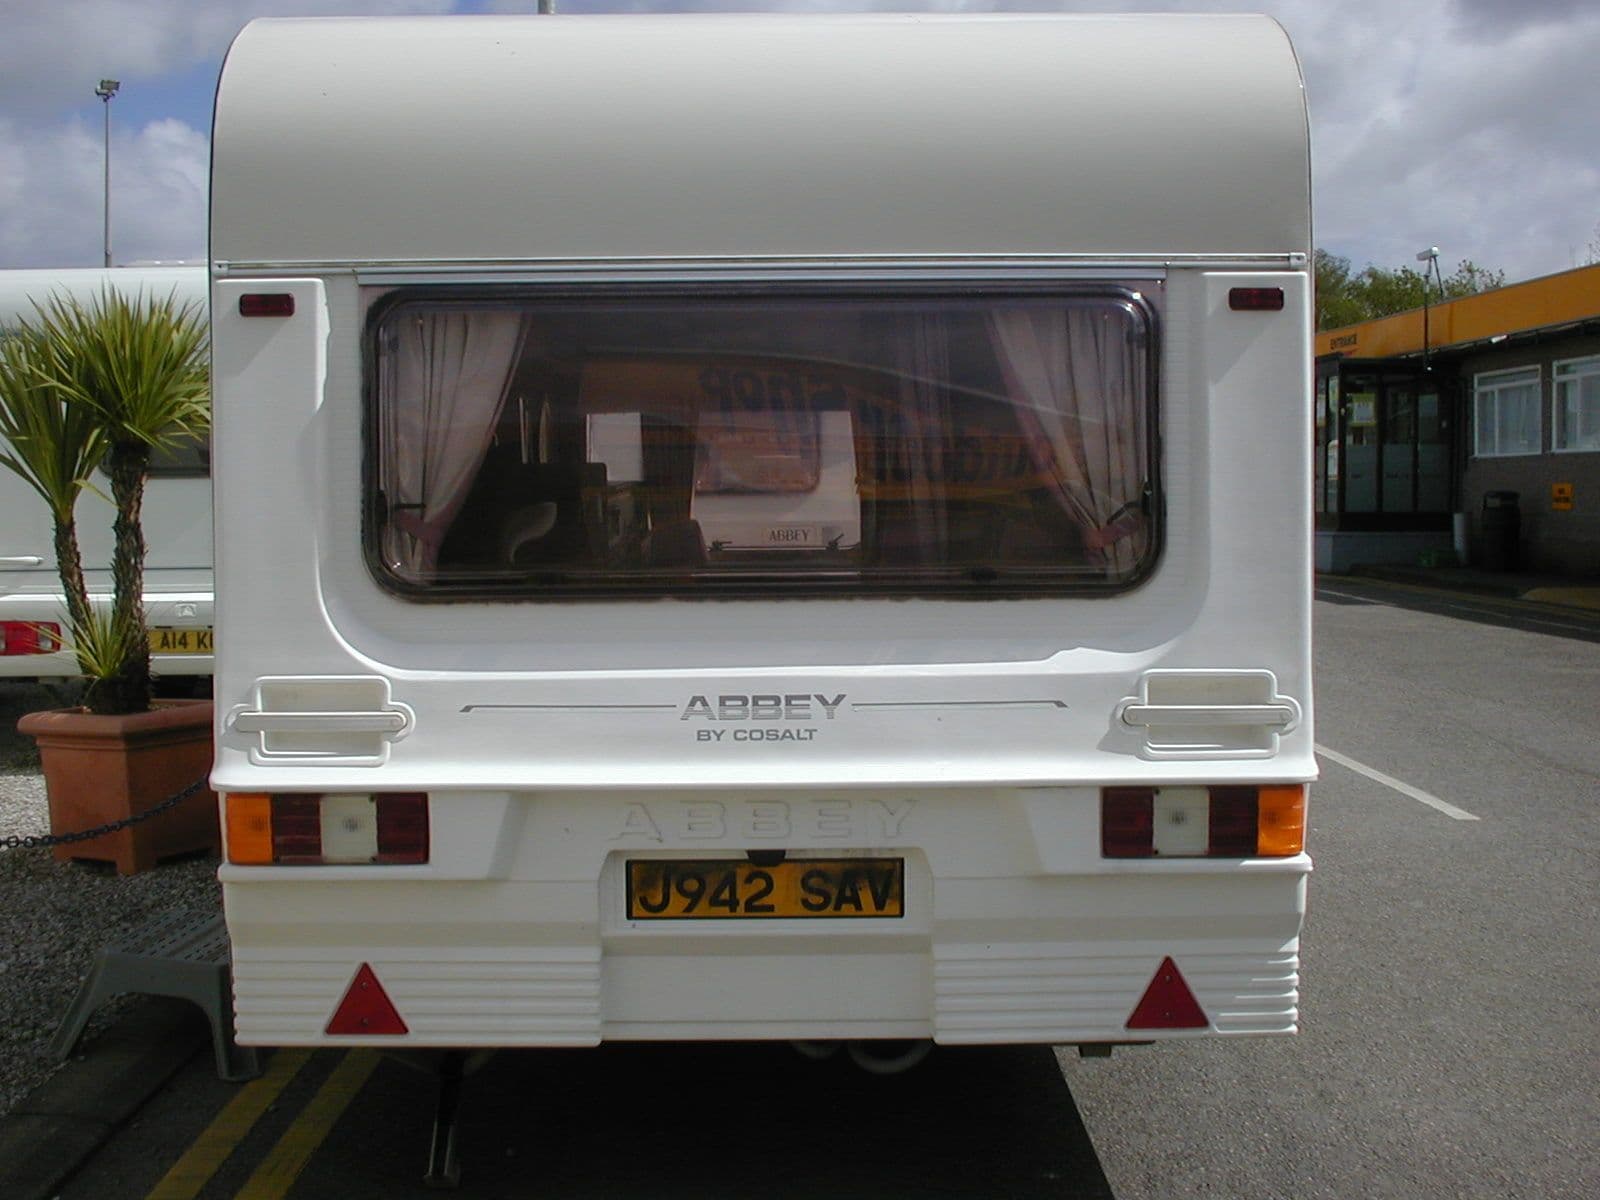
(104, 383)
(55, 448)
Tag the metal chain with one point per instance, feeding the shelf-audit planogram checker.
(16, 842)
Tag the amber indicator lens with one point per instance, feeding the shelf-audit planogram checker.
(1282, 825)
(249, 828)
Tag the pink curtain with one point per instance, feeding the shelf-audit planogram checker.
(1077, 380)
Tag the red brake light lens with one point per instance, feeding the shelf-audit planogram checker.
(1233, 822)
(403, 828)
(297, 829)
(1127, 822)
(29, 637)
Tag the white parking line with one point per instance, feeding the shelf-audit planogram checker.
(1389, 781)
(1327, 591)
(1504, 612)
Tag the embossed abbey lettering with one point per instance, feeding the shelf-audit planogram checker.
(874, 822)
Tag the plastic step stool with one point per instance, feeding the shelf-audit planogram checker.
(185, 955)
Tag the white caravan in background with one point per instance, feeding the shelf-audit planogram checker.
(177, 514)
(763, 527)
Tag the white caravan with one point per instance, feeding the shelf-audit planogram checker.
(177, 513)
(762, 527)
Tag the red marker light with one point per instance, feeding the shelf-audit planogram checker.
(1255, 299)
(1126, 816)
(1233, 822)
(266, 304)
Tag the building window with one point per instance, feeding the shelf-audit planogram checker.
(1575, 415)
(1506, 412)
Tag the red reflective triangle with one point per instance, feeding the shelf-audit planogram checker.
(1168, 1003)
(366, 1008)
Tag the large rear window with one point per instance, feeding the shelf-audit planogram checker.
(694, 444)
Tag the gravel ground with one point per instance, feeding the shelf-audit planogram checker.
(54, 917)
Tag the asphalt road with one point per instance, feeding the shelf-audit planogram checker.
(1451, 1031)
(1451, 1028)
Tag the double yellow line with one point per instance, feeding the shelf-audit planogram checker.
(278, 1171)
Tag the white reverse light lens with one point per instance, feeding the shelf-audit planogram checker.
(349, 829)
(1181, 821)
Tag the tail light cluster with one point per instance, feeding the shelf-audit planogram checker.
(311, 829)
(29, 637)
(1233, 821)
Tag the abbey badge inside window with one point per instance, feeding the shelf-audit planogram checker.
(532, 447)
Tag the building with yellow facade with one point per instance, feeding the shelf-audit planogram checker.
(1467, 428)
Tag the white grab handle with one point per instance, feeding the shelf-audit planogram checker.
(388, 721)
(1282, 715)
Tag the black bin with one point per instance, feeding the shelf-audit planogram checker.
(1502, 528)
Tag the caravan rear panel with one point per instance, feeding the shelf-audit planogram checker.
(794, 528)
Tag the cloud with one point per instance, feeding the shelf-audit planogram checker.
(54, 50)
(1480, 147)
(52, 212)
(1466, 124)
(1491, 19)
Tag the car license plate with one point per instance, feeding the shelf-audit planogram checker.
(723, 889)
(167, 640)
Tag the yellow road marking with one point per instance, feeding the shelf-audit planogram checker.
(282, 1166)
(237, 1118)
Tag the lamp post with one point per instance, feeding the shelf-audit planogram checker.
(1431, 257)
(106, 90)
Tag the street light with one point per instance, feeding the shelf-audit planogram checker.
(1431, 257)
(106, 90)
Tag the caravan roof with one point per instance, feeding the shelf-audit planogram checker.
(439, 139)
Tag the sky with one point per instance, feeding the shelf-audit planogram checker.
(1470, 125)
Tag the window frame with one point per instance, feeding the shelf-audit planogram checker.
(1490, 384)
(1591, 363)
(1133, 292)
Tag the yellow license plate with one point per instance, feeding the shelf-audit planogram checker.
(167, 640)
(724, 889)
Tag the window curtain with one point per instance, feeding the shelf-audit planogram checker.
(1077, 379)
(914, 453)
(451, 375)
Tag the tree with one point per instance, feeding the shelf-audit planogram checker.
(54, 447)
(105, 384)
(1344, 298)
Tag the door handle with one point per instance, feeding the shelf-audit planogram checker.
(21, 560)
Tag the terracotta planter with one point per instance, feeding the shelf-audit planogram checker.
(99, 769)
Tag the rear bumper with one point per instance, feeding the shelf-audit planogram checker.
(1004, 939)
